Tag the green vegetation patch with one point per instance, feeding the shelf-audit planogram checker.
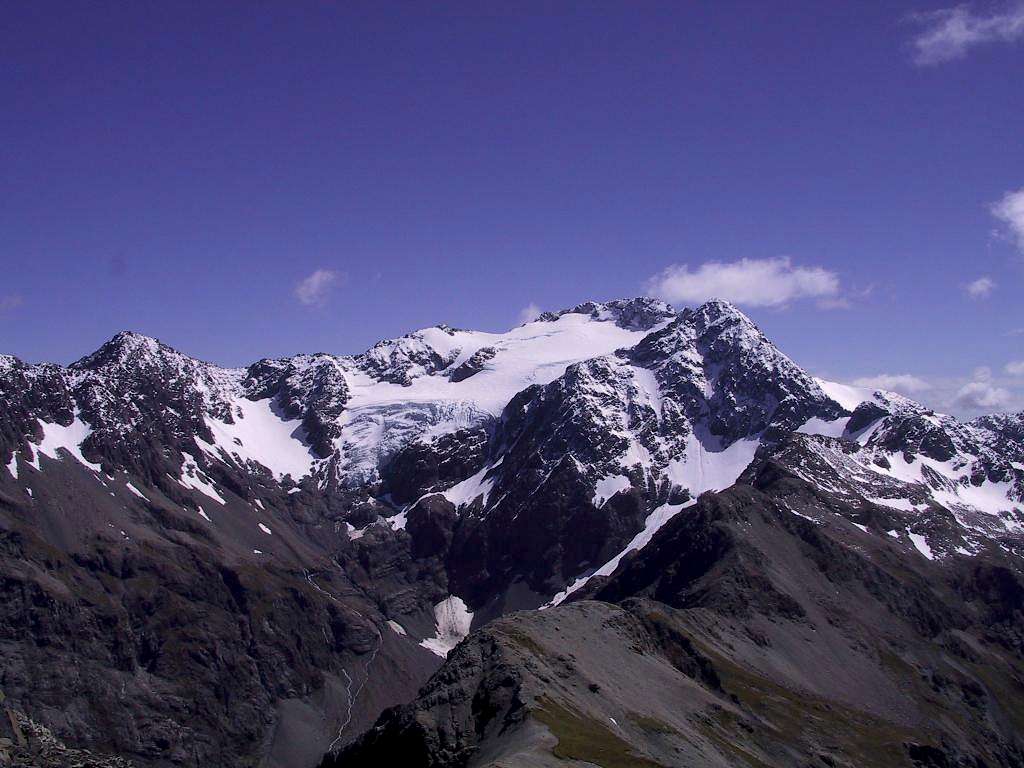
(652, 725)
(581, 737)
(524, 640)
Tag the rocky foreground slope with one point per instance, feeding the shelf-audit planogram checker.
(211, 566)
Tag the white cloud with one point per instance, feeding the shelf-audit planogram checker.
(751, 282)
(948, 33)
(980, 288)
(981, 395)
(897, 382)
(1010, 210)
(314, 289)
(9, 302)
(528, 313)
(1015, 368)
(964, 396)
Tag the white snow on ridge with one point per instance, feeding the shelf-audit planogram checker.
(136, 491)
(264, 528)
(381, 416)
(12, 465)
(397, 628)
(260, 435)
(816, 426)
(698, 471)
(702, 470)
(70, 438)
(534, 353)
(921, 543)
(992, 498)
(654, 521)
(608, 487)
(469, 489)
(453, 621)
(849, 397)
(905, 505)
(647, 386)
(191, 477)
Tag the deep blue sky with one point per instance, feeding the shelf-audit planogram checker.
(178, 168)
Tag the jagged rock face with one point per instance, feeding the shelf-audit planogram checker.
(1008, 426)
(312, 388)
(422, 467)
(29, 393)
(723, 373)
(360, 500)
(473, 365)
(557, 504)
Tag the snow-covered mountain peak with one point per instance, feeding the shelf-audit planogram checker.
(125, 348)
(641, 313)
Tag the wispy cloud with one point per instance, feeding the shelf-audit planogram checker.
(750, 282)
(314, 289)
(949, 33)
(964, 396)
(528, 313)
(1010, 211)
(904, 383)
(980, 288)
(982, 393)
(9, 302)
(838, 302)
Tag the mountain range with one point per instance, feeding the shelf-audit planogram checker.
(618, 535)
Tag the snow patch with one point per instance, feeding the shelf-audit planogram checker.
(608, 487)
(70, 438)
(847, 396)
(921, 543)
(453, 620)
(192, 477)
(470, 489)
(816, 426)
(397, 628)
(905, 505)
(136, 491)
(260, 435)
(264, 529)
(702, 470)
(12, 465)
(654, 521)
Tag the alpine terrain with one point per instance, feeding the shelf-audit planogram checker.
(618, 535)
